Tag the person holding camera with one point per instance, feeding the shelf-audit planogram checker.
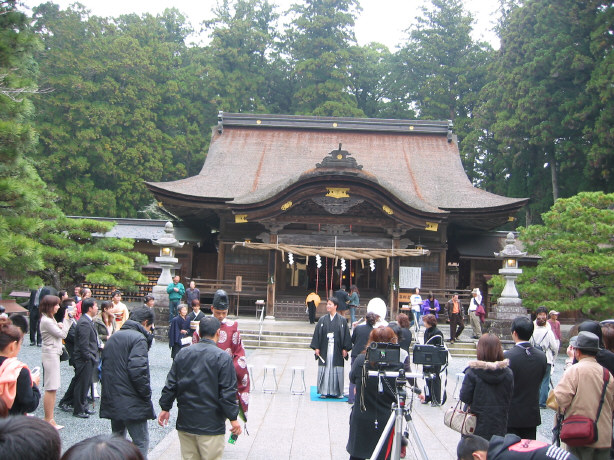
(372, 408)
(432, 336)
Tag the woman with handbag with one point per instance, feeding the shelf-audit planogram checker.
(52, 334)
(487, 388)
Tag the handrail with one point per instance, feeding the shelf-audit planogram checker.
(261, 324)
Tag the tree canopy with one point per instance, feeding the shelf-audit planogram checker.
(131, 100)
(37, 242)
(576, 246)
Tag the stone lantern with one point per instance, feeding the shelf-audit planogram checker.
(509, 304)
(168, 243)
(167, 260)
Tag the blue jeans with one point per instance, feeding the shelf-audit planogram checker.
(544, 387)
(352, 314)
(417, 319)
(172, 309)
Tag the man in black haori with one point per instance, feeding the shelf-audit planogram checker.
(331, 342)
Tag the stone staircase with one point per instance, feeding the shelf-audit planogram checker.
(301, 340)
(275, 339)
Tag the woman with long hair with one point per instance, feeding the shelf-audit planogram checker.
(105, 321)
(105, 324)
(52, 333)
(488, 386)
(20, 393)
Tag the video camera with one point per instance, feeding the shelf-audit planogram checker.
(384, 355)
(430, 355)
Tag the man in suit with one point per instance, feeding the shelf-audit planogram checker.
(85, 357)
(529, 366)
(36, 295)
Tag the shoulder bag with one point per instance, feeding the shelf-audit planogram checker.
(65, 356)
(462, 421)
(578, 430)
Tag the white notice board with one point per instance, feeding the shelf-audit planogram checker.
(410, 277)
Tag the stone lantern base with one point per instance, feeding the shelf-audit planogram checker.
(161, 310)
(506, 310)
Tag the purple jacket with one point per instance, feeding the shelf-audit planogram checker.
(427, 307)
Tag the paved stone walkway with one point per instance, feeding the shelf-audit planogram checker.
(286, 426)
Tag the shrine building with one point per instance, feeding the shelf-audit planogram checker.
(300, 203)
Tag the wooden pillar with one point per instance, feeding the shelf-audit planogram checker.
(393, 298)
(443, 260)
(221, 254)
(443, 265)
(271, 279)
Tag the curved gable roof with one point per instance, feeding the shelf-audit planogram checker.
(254, 157)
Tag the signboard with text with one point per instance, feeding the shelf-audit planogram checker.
(410, 277)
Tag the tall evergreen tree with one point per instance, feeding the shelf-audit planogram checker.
(319, 44)
(37, 242)
(599, 134)
(120, 111)
(534, 106)
(238, 68)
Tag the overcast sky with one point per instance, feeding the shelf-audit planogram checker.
(382, 21)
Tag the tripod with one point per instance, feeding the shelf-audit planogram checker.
(395, 421)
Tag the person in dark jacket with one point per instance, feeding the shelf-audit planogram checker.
(360, 337)
(372, 408)
(20, 390)
(203, 381)
(126, 388)
(85, 357)
(604, 356)
(529, 367)
(179, 330)
(488, 387)
(432, 336)
(344, 298)
(406, 335)
(510, 447)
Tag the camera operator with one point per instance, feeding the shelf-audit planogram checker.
(372, 407)
(432, 336)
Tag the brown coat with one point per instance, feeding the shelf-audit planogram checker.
(578, 393)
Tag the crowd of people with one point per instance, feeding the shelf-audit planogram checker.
(110, 345)
(504, 390)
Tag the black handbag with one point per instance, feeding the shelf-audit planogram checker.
(65, 356)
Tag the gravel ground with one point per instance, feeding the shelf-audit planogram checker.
(76, 429)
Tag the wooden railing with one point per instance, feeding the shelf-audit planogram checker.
(248, 288)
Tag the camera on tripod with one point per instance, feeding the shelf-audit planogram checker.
(430, 355)
(384, 355)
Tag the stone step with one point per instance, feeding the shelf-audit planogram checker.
(277, 339)
(255, 332)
